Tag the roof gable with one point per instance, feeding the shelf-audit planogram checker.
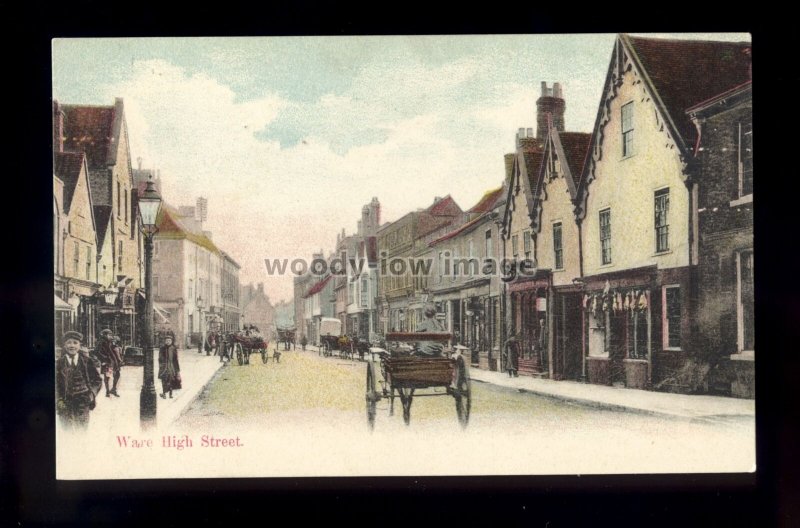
(104, 219)
(487, 201)
(68, 168)
(170, 227)
(686, 72)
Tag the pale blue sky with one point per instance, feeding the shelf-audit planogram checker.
(270, 129)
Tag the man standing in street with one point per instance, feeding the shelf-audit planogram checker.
(110, 355)
(77, 384)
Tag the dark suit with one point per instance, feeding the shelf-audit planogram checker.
(76, 389)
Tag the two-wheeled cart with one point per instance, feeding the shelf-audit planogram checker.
(404, 372)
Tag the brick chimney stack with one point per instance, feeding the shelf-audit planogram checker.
(551, 102)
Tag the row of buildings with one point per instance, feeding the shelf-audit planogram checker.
(98, 247)
(638, 236)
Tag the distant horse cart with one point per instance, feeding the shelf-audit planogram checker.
(287, 336)
(403, 369)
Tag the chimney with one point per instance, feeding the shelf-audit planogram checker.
(530, 132)
(139, 162)
(365, 220)
(58, 127)
(376, 215)
(551, 102)
(360, 229)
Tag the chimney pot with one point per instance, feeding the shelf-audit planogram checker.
(530, 132)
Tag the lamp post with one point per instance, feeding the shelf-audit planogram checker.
(149, 206)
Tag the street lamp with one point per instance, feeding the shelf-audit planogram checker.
(149, 206)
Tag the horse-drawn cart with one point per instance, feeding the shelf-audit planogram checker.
(241, 346)
(403, 370)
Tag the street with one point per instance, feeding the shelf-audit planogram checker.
(308, 413)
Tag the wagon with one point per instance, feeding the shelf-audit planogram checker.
(287, 337)
(241, 346)
(402, 371)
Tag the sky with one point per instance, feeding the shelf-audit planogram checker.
(288, 137)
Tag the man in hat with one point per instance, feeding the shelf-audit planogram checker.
(430, 324)
(77, 383)
(109, 352)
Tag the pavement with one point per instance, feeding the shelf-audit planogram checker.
(198, 369)
(685, 406)
(117, 414)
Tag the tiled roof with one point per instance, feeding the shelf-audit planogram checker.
(427, 224)
(464, 228)
(446, 206)
(68, 167)
(576, 148)
(90, 129)
(487, 201)
(533, 164)
(170, 227)
(102, 218)
(318, 287)
(687, 72)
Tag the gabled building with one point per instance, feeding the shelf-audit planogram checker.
(724, 168)
(258, 310)
(77, 283)
(638, 212)
(100, 133)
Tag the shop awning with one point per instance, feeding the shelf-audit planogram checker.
(62, 306)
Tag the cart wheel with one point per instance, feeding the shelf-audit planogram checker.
(371, 397)
(462, 392)
(264, 356)
(239, 354)
(406, 397)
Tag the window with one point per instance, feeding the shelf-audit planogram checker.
(75, 258)
(471, 256)
(126, 206)
(745, 158)
(627, 129)
(746, 301)
(672, 317)
(119, 200)
(88, 262)
(489, 252)
(364, 292)
(558, 248)
(190, 296)
(514, 244)
(661, 222)
(119, 257)
(526, 244)
(605, 236)
(441, 267)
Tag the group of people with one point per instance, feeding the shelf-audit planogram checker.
(81, 374)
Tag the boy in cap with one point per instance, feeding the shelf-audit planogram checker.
(77, 383)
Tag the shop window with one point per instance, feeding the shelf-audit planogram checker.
(637, 335)
(672, 317)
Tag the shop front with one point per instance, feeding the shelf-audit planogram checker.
(528, 318)
(618, 327)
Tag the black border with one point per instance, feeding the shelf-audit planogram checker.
(33, 496)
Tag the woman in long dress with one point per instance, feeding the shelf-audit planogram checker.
(169, 370)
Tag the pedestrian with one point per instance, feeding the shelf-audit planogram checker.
(512, 356)
(169, 370)
(109, 353)
(77, 383)
(303, 342)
